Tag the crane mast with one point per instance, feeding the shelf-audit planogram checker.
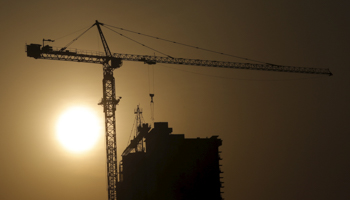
(109, 101)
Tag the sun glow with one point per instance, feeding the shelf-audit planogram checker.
(78, 129)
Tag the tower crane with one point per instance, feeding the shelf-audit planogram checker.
(113, 61)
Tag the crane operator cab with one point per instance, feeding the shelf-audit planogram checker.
(116, 62)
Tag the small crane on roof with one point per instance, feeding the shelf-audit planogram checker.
(113, 61)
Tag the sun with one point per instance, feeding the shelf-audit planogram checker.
(78, 129)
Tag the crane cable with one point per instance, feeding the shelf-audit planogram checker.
(71, 33)
(187, 45)
(166, 40)
(139, 43)
(151, 89)
(65, 47)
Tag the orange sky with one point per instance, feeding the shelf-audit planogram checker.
(285, 136)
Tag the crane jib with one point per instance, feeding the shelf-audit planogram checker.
(48, 52)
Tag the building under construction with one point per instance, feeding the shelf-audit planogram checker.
(161, 165)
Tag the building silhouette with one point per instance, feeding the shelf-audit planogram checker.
(161, 165)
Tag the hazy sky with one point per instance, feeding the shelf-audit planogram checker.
(285, 135)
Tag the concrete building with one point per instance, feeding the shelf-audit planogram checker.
(172, 167)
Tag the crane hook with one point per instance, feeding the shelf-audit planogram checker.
(151, 95)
